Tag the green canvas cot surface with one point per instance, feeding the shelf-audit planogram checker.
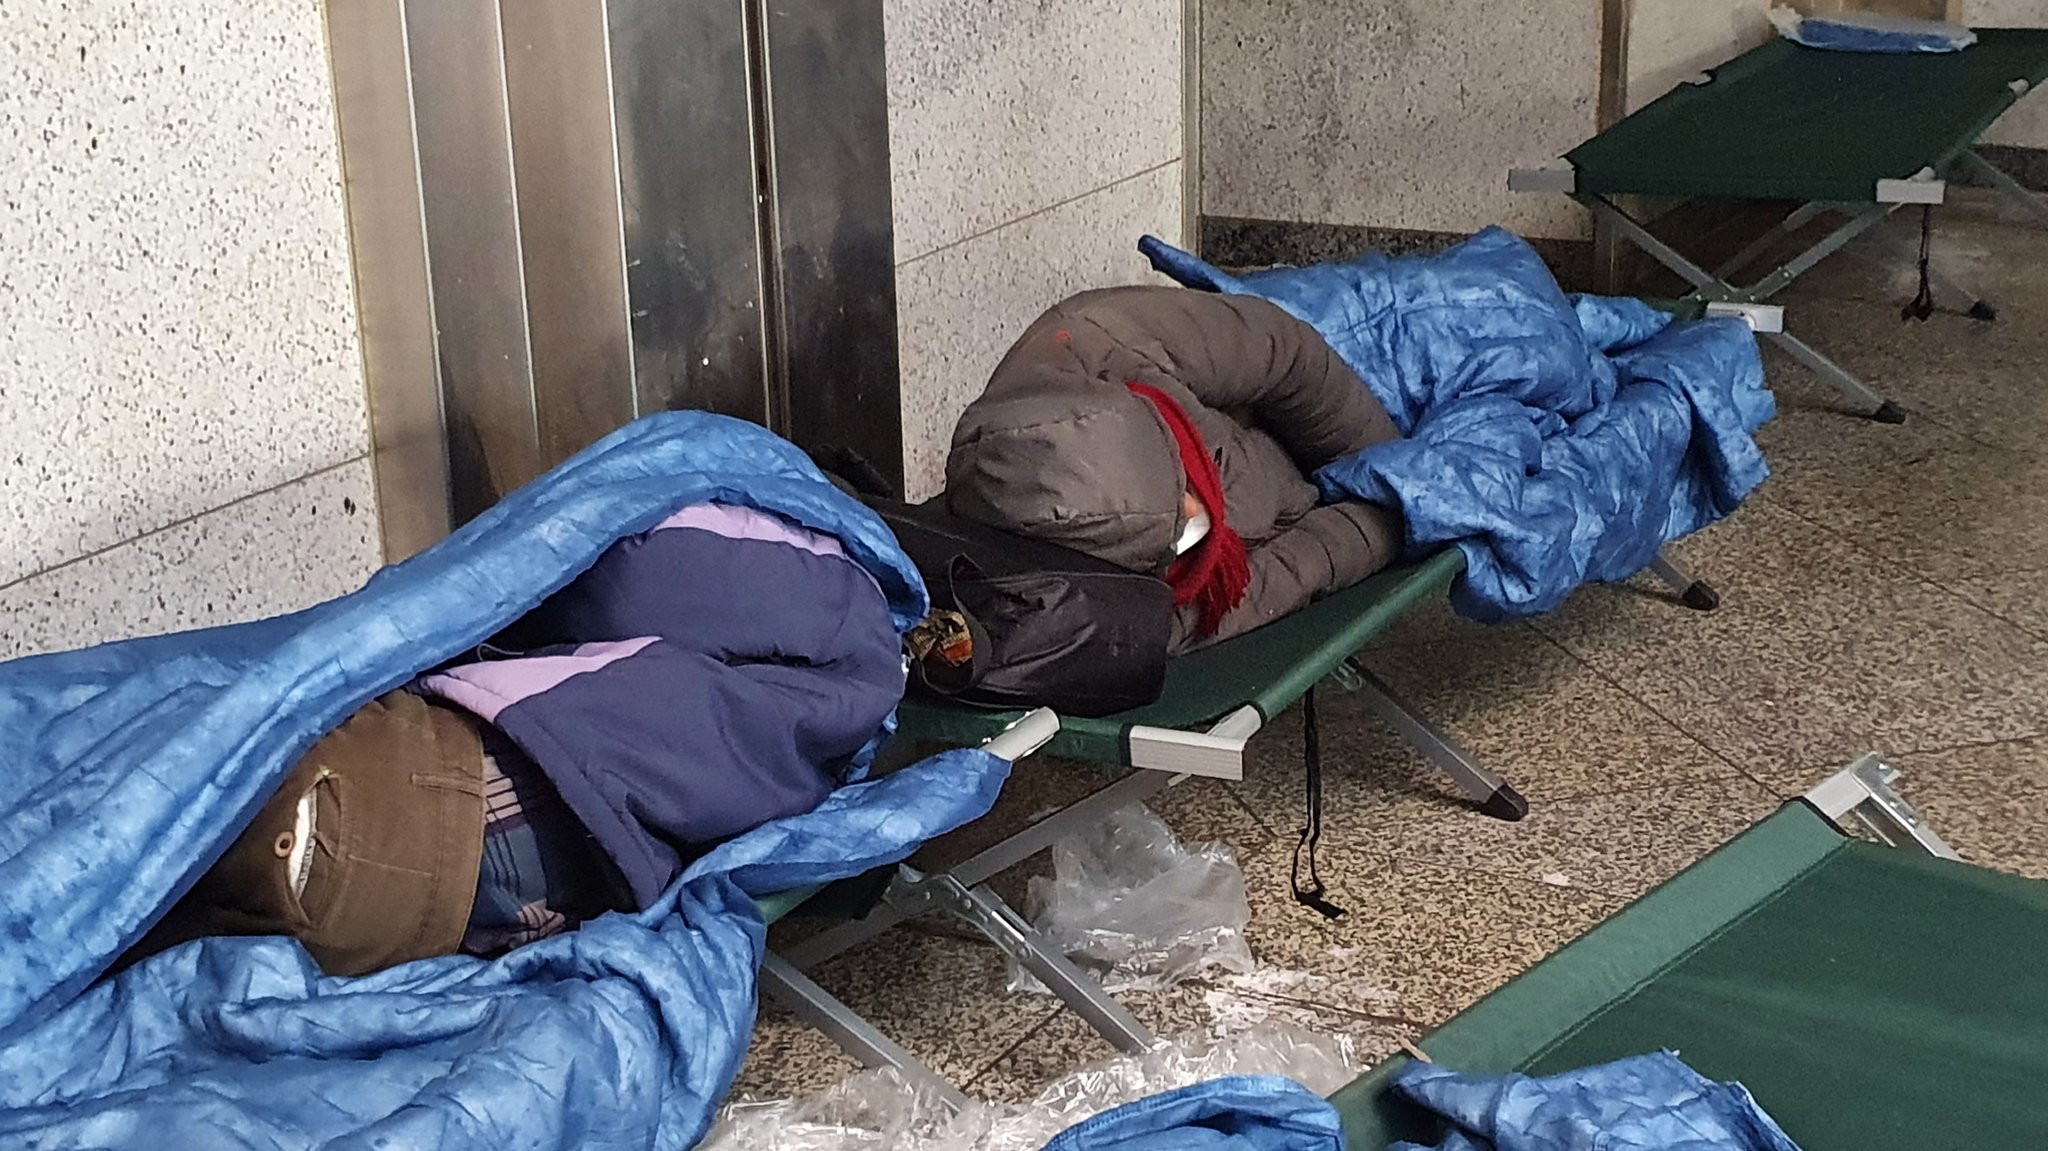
(1269, 668)
(1869, 997)
(1786, 122)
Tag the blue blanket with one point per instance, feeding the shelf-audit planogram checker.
(131, 767)
(1241, 1113)
(1648, 1103)
(1555, 439)
(1873, 32)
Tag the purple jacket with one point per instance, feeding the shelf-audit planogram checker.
(715, 673)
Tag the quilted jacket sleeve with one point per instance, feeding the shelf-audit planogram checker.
(1326, 550)
(1243, 354)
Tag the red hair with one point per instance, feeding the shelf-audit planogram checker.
(1217, 572)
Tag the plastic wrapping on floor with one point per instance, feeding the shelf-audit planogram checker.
(879, 1109)
(1139, 909)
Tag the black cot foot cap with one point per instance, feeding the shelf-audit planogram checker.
(1701, 596)
(1889, 413)
(1505, 804)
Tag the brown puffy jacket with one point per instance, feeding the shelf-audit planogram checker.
(1058, 448)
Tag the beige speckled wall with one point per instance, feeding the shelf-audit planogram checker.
(2026, 126)
(182, 430)
(1033, 142)
(1394, 114)
(1670, 40)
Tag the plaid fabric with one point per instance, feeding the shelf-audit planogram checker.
(540, 875)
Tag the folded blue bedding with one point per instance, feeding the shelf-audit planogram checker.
(1555, 439)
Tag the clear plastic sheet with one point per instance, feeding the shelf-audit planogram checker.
(1139, 909)
(880, 1109)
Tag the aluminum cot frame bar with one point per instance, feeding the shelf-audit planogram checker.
(1161, 759)
(1715, 287)
(786, 983)
(1863, 792)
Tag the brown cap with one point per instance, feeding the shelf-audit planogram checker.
(398, 845)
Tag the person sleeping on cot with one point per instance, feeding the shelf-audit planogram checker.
(705, 677)
(1173, 432)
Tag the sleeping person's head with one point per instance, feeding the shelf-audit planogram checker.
(1074, 463)
(1124, 418)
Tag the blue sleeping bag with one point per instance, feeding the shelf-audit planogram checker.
(1555, 439)
(129, 769)
(1647, 1103)
(1239, 1113)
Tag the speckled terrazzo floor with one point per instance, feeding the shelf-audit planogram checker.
(1881, 593)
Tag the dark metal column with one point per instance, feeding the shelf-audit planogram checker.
(472, 219)
(373, 100)
(833, 282)
(627, 206)
(566, 176)
(682, 99)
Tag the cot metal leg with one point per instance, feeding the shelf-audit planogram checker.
(1493, 794)
(1863, 791)
(1860, 222)
(2030, 202)
(1961, 298)
(986, 912)
(1707, 285)
(1872, 405)
(1697, 594)
(1802, 216)
(1710, 287)
(900, 904)
(854, 1035)
(1136, 787)
(1626, 225)
(916, 894)
(959, 892)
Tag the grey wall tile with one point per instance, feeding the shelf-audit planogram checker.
(180, 323)
(279, 551)
(1671, 40)
(958, 310)
(997, 110)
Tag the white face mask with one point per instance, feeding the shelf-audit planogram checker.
(1198, 527)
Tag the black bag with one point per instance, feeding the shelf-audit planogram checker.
(1044, 626)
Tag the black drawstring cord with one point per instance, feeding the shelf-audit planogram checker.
(1922, 305)
(1313, 894)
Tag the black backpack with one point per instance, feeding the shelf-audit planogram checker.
(1021, 623)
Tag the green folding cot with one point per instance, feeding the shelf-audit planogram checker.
(1217, 698)
(1870, 997)
(1214, 701)
(1212, 704)
(1850, 135)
